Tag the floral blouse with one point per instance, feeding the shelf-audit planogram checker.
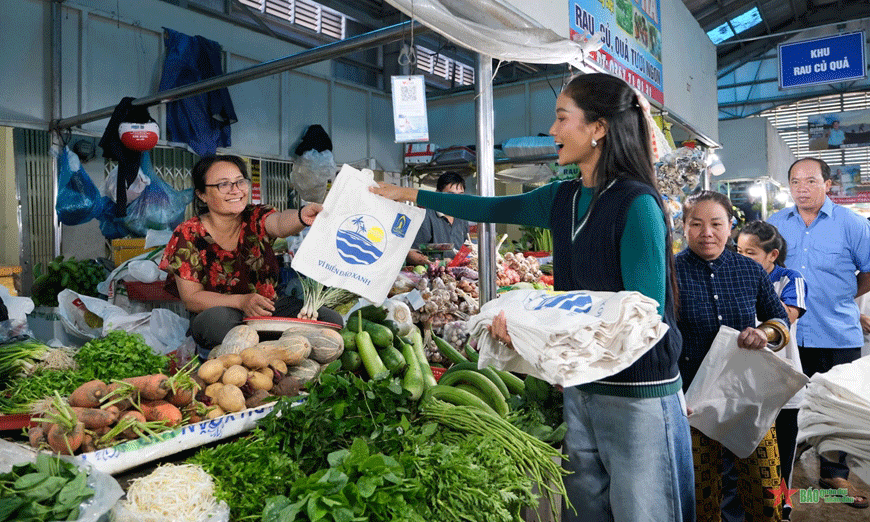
(192, 254)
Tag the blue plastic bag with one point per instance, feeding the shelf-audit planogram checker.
(160, 207)
(78, 199)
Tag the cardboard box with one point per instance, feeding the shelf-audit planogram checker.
(125, 249)
(7, 277)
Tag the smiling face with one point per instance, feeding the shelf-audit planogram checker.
(749, 246)
(232, 203)
(707, 229)
(808, 186)
(574, 135)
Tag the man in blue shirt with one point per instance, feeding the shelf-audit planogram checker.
(828, 244)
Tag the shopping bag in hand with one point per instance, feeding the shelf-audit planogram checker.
(360, 240)
(737, 393)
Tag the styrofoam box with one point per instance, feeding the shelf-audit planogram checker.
(130, 454)
(44, 322)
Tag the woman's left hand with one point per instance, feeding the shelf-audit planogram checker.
(498, 329)
(752, 339)
(309, 213)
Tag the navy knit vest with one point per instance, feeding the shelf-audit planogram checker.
(592, 262)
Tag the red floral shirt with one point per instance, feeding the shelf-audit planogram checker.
(193, 254)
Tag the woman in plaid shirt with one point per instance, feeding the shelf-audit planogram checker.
(721, 287)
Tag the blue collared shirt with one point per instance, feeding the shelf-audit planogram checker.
(827, 253)
(731, 290)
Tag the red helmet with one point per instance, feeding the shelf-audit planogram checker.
(139, 136)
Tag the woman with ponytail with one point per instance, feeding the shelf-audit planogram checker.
(628, 441)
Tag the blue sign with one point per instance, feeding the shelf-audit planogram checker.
(822, 60)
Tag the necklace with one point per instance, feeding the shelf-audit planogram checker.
(578, 227)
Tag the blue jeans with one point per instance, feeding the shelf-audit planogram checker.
(631, 459)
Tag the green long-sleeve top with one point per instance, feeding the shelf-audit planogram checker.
(642, 246)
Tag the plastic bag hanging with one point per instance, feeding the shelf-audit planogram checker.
(160, 207)
(78, 199)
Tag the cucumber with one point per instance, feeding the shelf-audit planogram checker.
(373, 313)
(417, 344)
(350, 360)
(371, 360)
(454, 395)
(472, 390)
(514, 384)
(487, 372)
(493, 395)
(380, 334)
(447, 350)
(349, 338)
(472, 354)
(393, 360)
(413, 379)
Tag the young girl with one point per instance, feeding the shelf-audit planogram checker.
(761, 241)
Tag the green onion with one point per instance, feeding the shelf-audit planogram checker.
(316, 295)
(18, 356)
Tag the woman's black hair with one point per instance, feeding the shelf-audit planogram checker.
(708, 195)
(198, 172)
(626, 149)
(769, 239)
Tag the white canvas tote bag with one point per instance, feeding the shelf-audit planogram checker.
(360, 240)
(737, 393)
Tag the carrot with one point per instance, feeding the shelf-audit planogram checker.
(151, 387)
(161, 411)
(94, 418)
(36, 435)
(135, 416)
(119, 394)
(64, 440)
(181, 397)
(88, 395)
(88, 443)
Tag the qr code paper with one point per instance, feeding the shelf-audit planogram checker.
(408, 93)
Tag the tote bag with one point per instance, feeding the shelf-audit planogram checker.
(360, 240)
(737, 393)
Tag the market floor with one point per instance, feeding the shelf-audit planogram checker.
(806, 475)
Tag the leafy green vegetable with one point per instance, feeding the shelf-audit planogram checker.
(246, 471)
(47, 489)
(22, 392)
(338, 409)
(358, 486)
(118, 355)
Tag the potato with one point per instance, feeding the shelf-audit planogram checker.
(230, 359)
(236, 375)
(211, 371)
(231, 399)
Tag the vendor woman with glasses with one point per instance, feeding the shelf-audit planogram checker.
(222, 258)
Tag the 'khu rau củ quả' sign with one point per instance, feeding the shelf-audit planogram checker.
(822, 60)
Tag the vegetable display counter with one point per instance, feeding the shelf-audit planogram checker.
(130, 454)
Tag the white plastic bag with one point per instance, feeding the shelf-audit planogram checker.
(359, 241)
(737, 393)
(163, 330)
(110, 185)
(310, 174)
(76, 311)
(107, 491)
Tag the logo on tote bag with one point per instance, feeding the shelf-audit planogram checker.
(400, 225)
(573, 302)
(360, 240)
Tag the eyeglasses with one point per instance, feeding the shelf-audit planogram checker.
(225, 187)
